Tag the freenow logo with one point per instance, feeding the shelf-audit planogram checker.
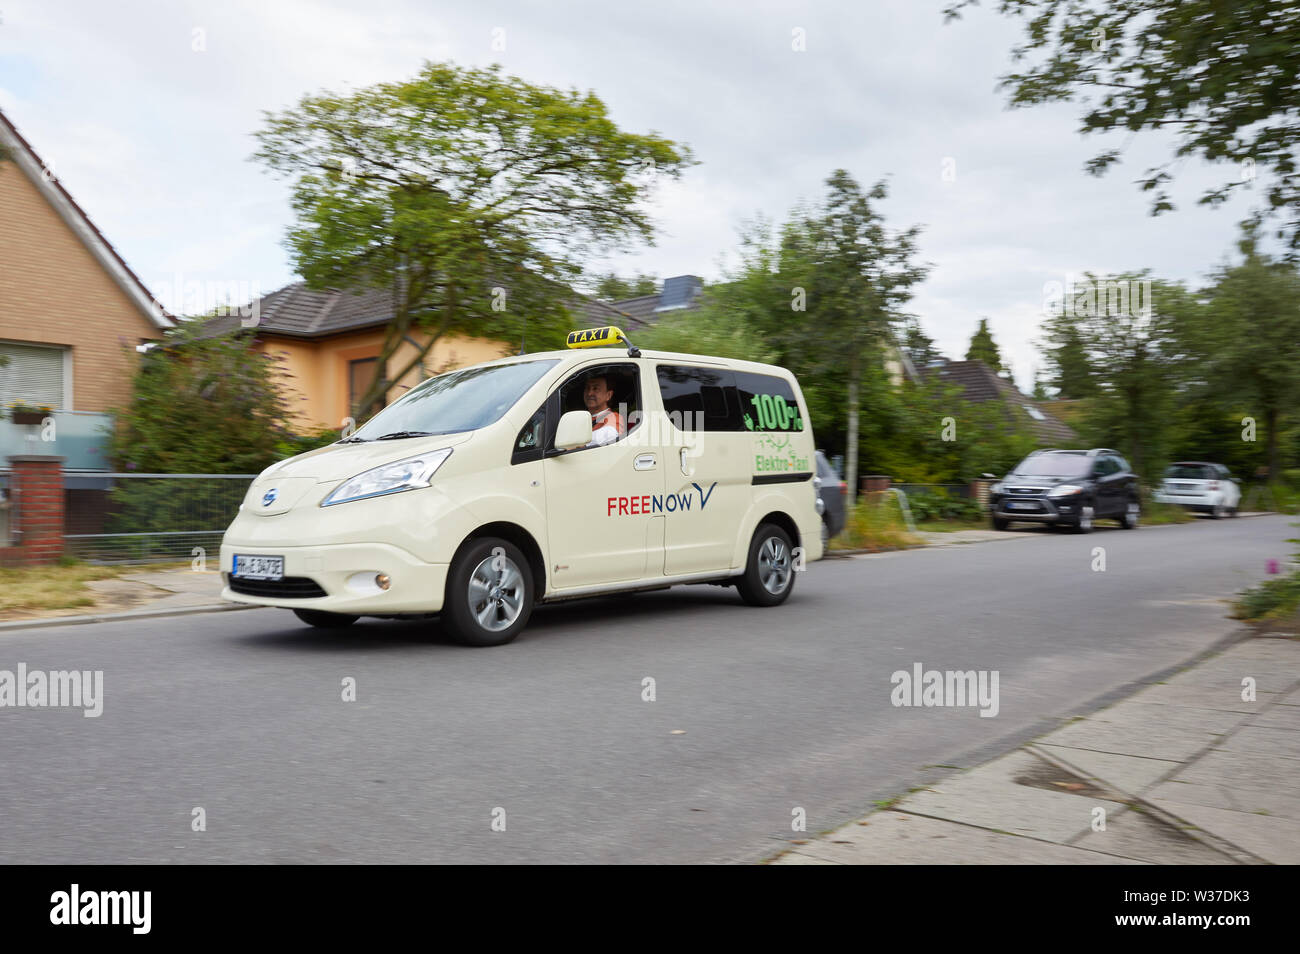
(55, 689)
(657, 503)
(102, 907)
(932, 688)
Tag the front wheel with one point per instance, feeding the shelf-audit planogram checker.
(769, 575)
(1000, 523)
(489, 593)
(1084, 523)
(325, 620)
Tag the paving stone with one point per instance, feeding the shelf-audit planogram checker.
(1264, 741)
(988, 797)
(1135, 835)
(1126, 774)
(1153, 741)
(899, 838)
(1200, 697)
(1261, 835)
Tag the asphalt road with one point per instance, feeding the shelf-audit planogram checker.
(242, 713)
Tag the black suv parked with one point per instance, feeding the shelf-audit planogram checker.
(1067, 488)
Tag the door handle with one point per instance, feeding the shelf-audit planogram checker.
(686, 471)
(644, 462)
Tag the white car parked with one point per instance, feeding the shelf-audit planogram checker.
(1199, 486)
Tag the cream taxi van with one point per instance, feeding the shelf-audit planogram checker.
(485, 490)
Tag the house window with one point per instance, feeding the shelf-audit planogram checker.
(31, 374)
(360, 375)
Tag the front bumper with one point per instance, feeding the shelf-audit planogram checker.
(345, 573)
(1047, 509)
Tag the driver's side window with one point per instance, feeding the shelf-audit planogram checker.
(610, 393)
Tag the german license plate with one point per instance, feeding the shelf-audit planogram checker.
(1021, 505)
(258, 567)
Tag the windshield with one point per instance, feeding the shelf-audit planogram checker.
(1055, 465)
(457, 401)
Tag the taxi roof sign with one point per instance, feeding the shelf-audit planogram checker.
(596, 337)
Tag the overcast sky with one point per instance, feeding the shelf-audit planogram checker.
(145, 112)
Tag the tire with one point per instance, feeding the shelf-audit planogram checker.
(768, 579)
(826, 536)
(1001, 523)
(325, 620)
(1217, 512)
(1087, 515)
(1132, 514)
(489, 593)
(1233, 511)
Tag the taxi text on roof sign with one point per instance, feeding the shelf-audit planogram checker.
(595, 337)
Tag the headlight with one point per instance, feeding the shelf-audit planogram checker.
(409, 474)
(1065, 490)
(996, 488)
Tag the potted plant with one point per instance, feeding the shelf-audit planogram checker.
(22, 413)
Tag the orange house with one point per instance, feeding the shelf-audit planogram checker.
(328, 343)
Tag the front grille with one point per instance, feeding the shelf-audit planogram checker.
(1026, 491)
(289, 588)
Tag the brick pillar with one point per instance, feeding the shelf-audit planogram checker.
(979, 491)
(874, 484)
(36, 482)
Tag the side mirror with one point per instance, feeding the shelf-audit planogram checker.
(988, 476)
(574, 431)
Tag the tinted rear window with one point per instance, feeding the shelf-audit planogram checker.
(715, 399)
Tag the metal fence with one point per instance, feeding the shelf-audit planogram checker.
(149, 518)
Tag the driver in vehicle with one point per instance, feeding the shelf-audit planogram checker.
(607, 425)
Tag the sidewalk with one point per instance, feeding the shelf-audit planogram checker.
(141, 594)
(1185, 771)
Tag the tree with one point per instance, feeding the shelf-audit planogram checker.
(856, 275)
(1249, 340)
(610, 287)
(1219, 76)
(1069, 370)
(470, 196)
(1136, 351)
(201, 405)
(984, 348)
(920, 346)
(1040, 390)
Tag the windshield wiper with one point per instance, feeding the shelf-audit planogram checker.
(399, 435)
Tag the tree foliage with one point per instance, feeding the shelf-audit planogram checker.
(472, 197)
(202, 405)
(1221, 77)
(984, 348)
(611, 287)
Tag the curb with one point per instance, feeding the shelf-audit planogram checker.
(50, 621)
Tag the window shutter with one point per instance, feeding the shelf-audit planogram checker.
(33, 375)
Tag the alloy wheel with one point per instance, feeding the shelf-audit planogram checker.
(496, 593)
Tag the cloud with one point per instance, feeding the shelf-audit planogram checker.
(153, 136)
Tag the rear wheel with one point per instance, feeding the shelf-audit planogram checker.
(769, 575)
(1132, 513)
(325, 620)
(489, 593)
